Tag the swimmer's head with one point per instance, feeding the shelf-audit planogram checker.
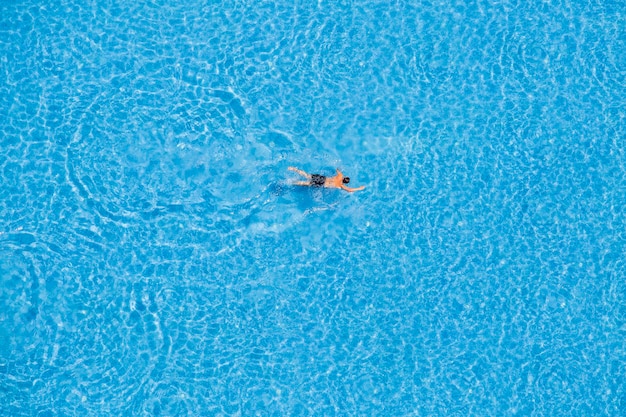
(346, 180)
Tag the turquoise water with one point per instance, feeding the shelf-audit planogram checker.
(155, 260)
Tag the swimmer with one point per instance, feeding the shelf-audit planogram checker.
(315, 180)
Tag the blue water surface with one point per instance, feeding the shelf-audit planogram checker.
(155, 259)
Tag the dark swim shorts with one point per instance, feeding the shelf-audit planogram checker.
(317, 180)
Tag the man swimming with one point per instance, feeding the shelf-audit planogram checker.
(316, 180)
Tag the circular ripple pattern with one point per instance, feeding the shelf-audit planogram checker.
(155, 260)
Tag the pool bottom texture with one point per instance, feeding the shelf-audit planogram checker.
(157, 260)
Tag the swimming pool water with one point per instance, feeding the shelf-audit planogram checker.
(155, 260)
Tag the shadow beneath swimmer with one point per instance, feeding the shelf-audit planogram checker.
(277, 189)
(281, 205)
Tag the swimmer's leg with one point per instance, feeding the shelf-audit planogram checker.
(303, 183)
(301, 172)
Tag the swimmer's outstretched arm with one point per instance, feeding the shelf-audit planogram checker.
(301, 172)
(351, 190)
